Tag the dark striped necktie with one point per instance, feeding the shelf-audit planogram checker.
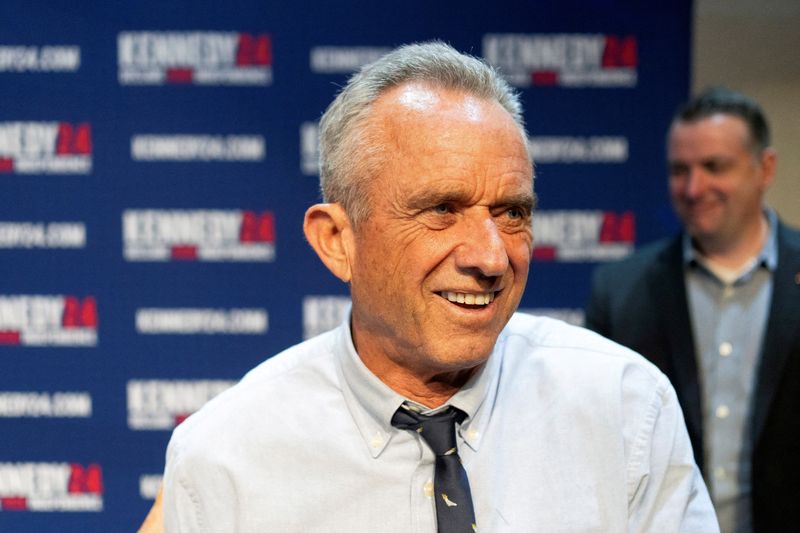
(454, 511)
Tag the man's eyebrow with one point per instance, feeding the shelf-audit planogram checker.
(523, 199)
(431, 197)
(710, 160)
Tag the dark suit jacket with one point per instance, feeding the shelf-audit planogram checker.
(641, 302)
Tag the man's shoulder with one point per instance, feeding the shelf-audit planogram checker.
(282, 384)
(789, 236)
(578, 373)
(567, 349)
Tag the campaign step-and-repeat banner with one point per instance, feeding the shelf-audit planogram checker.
(156, 159)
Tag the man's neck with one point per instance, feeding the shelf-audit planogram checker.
(735, 253)
(430, 389)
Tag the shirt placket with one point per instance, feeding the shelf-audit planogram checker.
(423, 508)
(725, 394)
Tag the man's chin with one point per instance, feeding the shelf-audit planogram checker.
(697, 228)
(700, 233)
(462, 356)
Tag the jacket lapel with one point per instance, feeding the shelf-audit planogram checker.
(782, 326)
(669, 294)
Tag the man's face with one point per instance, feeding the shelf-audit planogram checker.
(716, 182)
(442, 260)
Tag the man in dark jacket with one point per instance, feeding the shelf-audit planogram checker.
(717, 308)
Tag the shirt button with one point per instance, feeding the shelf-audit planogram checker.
(377, 441)
(719, 472)
(725, 349)
(722, 411)
(727, 292)
(428, 488)
(472, 435)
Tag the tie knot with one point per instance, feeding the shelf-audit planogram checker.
(438, 430)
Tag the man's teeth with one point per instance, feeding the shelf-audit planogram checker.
(469, 299)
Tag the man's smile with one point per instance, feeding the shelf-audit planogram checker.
(478, 299)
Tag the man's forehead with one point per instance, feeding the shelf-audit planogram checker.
(422, 116)
(717, 125)
(719, 132)
(416, 99)
(448, 129)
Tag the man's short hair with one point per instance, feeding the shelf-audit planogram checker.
(349, 153)
(726, 101)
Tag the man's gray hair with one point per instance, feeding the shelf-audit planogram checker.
(349, 153)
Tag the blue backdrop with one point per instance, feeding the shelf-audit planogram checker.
(156, 159)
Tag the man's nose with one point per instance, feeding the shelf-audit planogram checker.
(483, 248)
(696, 183)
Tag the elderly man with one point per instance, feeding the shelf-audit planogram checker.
(717, 308)
(434, 407)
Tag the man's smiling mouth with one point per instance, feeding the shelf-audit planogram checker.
(468, 298)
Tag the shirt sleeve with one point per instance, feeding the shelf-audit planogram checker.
(666, 492)
(182, 508)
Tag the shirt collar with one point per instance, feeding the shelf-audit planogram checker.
(372, 403)
(767, 257)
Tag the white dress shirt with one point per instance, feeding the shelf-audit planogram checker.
(565, 431)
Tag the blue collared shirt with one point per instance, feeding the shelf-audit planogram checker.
(728, 321)
(565, 431)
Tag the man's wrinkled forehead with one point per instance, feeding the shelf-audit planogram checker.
(415, 100)
(422, 97)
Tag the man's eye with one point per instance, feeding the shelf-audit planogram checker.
(515, 213)
(442, 209)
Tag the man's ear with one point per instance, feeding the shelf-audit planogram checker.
(769, 163)
(329, 232)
